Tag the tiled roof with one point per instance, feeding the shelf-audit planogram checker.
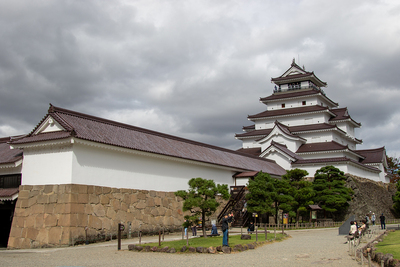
(290, 129)
(246, 174)
(284, 149)
(90, 128)
(311, 127)
(295, 94)
(372, 155)
(303, 76)
(8, 193)
(287, 111)
(255, 151)
(323, 146)
(8, 155)
(342, 114)
(263, 132)
(333, 160)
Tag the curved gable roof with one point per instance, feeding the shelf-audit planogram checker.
(95, 129)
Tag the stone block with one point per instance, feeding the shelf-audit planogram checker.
(55, 235)
(64, 198)
(131, 247)
(64, 220)
(121, 215)
(93, 199)
(16, 232)
(37, 188)
(49, 208)
(104, 200)
(14, 242)
(138, 248)
(18, 221)
(32, 201)
(183, 249)
(245, 237)
(65, 236)
(150, 202)
(30, 221)
(91, 189)
(82, 219)
(212, 250)
(50, 220)
(124, 206)
(99, 210)
(111, 213)
(24, 194)
(73, 198)
(171, 250)
(94, 222)
(32, 233)
(106, 223)
(226, 250)
(106, 190)
(99, 190)
(68, 188)
(37, 208)
(141, 196)
(251, 246)
(199, 249)
(39, 221)
(141, 205)
(126, 191)
(83, 198)
(42, 199)
(165, 202)
(88, 209)
(134, 198)
(49, 189)
(79, 188)
(115, 190)
(26, 243)
(25, 187)
(116, 204)
(22, 203)
(77, 208)
(165, 249)
(118, 196)
(62, 208)
(192, 249)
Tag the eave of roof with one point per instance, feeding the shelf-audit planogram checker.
(8, 194)
(306, 162)
(279, 96)
(289, 112)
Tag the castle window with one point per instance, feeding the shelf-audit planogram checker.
(303, 103)
(283, 105)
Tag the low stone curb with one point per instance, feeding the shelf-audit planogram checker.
(209, 250)
(388, 259)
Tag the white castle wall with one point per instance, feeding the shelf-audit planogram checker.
(83, 164)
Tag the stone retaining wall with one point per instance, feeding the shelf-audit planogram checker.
(56, 215)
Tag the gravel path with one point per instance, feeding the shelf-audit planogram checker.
(320, 247)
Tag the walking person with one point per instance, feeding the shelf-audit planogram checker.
(373, 218)
(383, 224)
(225, 227)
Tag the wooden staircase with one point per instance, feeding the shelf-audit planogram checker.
(235, 205)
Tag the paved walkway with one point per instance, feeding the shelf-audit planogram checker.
(319, 247)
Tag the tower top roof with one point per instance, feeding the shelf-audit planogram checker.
(297, 74)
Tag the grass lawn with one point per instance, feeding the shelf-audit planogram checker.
(212, 241)
(390, 244)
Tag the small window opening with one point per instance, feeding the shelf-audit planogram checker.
(303, 103)
(283, 105)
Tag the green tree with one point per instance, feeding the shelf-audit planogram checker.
(331, 194)
(259, 198)
(200, 199)
(301, 190)
(396, 199)
(282, 199)
(393, 168)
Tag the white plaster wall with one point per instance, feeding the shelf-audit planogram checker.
(242, 181)
(281, 160)
(294, 103)
(364, 173)
(292, 120)
(47, 166)
(104, 167)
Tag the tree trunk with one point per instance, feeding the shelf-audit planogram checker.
(203, 223)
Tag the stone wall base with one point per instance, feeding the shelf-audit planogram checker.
(57, 215)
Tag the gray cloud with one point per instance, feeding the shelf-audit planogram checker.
(196, 69)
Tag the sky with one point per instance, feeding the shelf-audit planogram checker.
(197, 69)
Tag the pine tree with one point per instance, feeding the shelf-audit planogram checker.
(199, 199)
(301, 190)
(331, 194)
(261, 190)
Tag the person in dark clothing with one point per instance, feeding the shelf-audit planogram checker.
(250, 228)
(225, 226)
(383, 224)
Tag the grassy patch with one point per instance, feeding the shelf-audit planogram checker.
(390, 244)
(212, 241)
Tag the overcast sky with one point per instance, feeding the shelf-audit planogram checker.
(196, 69)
